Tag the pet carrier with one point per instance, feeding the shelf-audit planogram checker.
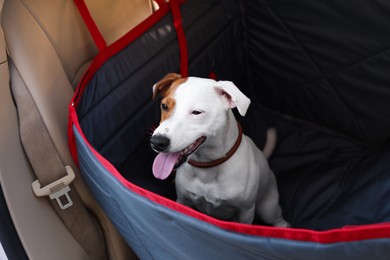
(317, 71)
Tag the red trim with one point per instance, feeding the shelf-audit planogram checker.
(347, 234)
(91, 25)
(178, 22)
(71, 138)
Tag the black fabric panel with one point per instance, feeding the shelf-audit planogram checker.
(336, 34)
(317, 103)
(365, 89)
(324, 62)
(325, 180)
(276, 59)
(363, 195)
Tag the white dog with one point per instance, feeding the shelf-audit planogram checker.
(220, 171)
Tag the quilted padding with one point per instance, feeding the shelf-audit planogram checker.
(315, 70)
(325, 62)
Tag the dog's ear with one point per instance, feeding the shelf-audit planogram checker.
(164, 84)
(234, 96)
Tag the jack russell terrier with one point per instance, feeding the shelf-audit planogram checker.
(220, 171)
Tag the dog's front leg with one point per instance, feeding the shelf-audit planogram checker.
(185, 201)
(268, 207)
(246, 216)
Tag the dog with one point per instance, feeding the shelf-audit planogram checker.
(220, 171)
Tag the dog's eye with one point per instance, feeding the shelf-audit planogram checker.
(196, 112)
(164, 107)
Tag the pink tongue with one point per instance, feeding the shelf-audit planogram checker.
(163, 164)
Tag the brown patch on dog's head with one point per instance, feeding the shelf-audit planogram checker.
(167, 87)
(167, 107)
(164, 84)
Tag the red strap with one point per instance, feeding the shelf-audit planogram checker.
(177, 21)
(212, 75)
(91, 25)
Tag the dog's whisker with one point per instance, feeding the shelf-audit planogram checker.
(151, 130)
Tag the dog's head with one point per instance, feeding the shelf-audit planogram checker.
(192, 111)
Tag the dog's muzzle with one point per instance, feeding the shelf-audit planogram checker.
(159, 143)
(165, 162)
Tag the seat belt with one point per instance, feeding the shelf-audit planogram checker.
(53, 178)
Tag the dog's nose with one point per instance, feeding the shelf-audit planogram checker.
(159, 143)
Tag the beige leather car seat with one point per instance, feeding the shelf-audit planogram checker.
(49, 48)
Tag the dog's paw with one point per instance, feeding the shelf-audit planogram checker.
(282, 223)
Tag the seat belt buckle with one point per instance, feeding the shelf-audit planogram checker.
(58, 190)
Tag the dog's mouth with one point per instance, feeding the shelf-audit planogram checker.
(165, 163)
(188, 151)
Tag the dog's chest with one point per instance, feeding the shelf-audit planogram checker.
(219, 208)
(212, 192)
(212, 200)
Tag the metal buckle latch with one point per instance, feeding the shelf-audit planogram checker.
(58, 190)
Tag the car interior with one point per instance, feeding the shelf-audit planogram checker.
(45, 48)
(316, 71)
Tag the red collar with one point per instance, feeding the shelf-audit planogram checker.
(223, 159)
